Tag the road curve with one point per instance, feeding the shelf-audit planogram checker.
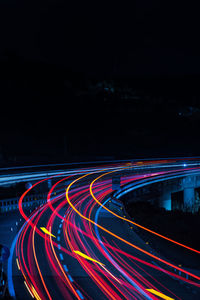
(75, 246)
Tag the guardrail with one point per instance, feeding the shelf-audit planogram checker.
(11, 204)
(144, 182)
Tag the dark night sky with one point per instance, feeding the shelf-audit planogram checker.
(146, 37)
(44, 42)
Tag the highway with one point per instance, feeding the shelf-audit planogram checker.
(76, 246)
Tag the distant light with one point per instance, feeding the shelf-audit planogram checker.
(28, 185)
(185, 165)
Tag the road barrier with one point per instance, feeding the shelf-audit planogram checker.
(12, 203)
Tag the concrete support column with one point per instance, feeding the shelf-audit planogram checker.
(189, 184)
(116, 181)
(165, 200)
(49, 183)
(189, 199)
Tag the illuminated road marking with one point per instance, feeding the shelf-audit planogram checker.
(79, 293)
(46, 231)
(70, 278)
(65, 267)
(88, 257)
(159, 294)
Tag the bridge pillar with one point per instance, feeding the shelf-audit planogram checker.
(189, 184)
(49, 183)
(116, 181)
(189, 199)
(166, 201)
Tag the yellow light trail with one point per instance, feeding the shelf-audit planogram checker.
(127, 220)
(47, 232)
(159, 294)
(17, 263)
(87, 257)
(28, 289)
(35, 293)
(111, 233)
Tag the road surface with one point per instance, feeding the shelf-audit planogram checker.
(78, 245)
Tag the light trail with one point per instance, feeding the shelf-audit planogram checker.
(120, 238)
(134, 223)
(104, 255)
(159, 294)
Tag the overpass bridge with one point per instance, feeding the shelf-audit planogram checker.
(45, 265)
(162, 191)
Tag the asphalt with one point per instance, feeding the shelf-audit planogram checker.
(167, 284)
